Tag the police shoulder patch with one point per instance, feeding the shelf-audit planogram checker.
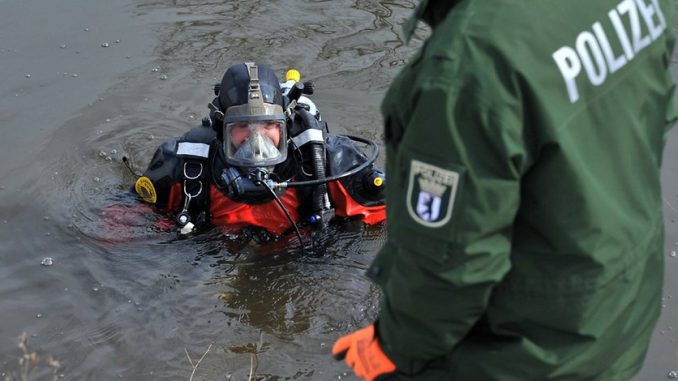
(430, 193)
(145, 189)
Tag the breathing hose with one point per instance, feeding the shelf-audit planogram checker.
(367, 163)
(287, 214)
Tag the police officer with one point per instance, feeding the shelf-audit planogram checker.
(525, 226)
(262, 159)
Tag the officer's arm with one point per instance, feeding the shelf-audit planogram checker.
(455, 189)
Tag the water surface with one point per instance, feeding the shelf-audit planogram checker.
(80, 90)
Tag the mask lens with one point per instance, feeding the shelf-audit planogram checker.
(255, 143)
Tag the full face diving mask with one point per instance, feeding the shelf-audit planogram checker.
(255, 144)
(254, 133)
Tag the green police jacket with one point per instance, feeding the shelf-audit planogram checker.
(525, 233)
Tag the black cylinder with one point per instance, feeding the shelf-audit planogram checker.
(318, 154)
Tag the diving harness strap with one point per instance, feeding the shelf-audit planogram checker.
(194, 157)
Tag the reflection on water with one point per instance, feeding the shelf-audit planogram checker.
(125, 298)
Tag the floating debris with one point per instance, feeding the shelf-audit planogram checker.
(102, 154)
(673, 254)
(114, 151)
(47, 261)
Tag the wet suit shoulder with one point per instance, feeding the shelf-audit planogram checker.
(361, 194)
(175, 160)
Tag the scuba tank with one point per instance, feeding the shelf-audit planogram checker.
(293, 77)
(308, 135)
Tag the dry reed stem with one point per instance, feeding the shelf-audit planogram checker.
(253, 366)
(28, 361)
(197, 364)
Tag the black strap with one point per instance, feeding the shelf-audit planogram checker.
(195, 180)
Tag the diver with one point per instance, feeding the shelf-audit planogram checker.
(263, 158)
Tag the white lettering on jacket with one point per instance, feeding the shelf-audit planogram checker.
(593, 49)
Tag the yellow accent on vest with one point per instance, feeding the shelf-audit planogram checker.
(146, 190)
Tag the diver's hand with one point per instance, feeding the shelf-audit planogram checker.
(362, 352)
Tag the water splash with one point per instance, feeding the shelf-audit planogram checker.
(47, 261)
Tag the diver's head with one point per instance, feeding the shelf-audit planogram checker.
(253, 129)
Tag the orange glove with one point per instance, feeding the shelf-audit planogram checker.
(363, 353)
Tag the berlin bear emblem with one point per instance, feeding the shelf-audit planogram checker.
(430, 193)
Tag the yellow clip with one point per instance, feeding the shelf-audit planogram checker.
(293, 74)
(146, 190)
(378, 181)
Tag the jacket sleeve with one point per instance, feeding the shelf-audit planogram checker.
(455, 175)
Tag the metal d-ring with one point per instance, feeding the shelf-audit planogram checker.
(188, 194)
(193, 177)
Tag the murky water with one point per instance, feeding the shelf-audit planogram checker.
(129, 300)
(80, 90)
